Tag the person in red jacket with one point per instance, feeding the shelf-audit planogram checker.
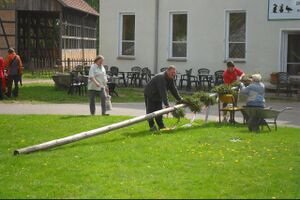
(232, 73)
(2, 78)
(14, 66)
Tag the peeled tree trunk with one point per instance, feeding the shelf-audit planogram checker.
(102, 130)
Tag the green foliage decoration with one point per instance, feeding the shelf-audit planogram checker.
(178, 113)
(194, 103)
(226, 89)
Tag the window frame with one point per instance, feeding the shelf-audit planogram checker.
(120, 45)
(170, 50)
(227, 26)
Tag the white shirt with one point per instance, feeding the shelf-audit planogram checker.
(99, 73)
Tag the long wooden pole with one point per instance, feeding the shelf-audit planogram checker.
(102, 130)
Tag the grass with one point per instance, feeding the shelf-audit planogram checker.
(196, 162)
(48, 93)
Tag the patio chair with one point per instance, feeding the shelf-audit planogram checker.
(231, 106)
(134, 75)
(163, 69)
(218, 79)
(204, 77)
(145, 76)
(116, 74)
(77, 84)
(283, 82)
(189, 79)
(257, 118)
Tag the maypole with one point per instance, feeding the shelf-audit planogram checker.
(98, 131)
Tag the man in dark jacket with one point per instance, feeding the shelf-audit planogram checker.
(156, 93)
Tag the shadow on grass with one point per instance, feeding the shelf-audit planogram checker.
(74, 117)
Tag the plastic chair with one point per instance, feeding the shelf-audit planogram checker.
(283, 82)
(189, 79)
(231, 107)
(218, 80)
(145, 75)
(116, 74)
(134, 75)
(204, 77)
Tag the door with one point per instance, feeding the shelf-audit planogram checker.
(293, 53)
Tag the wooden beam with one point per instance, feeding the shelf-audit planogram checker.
(4, 33)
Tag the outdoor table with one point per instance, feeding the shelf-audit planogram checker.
(295, 80)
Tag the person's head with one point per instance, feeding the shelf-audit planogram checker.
(99, 60)
(256, 77)
(171, 72)
(11, 51)
(230, 66)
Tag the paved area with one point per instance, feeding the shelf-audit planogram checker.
(287, 118)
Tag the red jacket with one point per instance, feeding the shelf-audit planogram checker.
(230, 77)
(10, 58)
(1, 67)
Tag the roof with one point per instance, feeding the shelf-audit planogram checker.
(79, 5)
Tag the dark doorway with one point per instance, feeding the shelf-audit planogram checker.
(293, 54)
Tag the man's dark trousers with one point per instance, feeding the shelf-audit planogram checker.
(152, 106)
(11, 79)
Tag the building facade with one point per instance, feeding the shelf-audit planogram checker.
(46, 31)
(259, 36)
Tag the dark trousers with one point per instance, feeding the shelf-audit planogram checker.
(1, 93)
(152, 106)
(93, 94)
(11, 79)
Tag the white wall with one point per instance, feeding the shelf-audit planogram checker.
(144, 34)
(206, 33)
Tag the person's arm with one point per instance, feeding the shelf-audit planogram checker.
(162, 89)
(175, 92)
(245, 90)
(20, 65)
(240, 73)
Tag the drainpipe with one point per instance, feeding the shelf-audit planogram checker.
(82, 40)
(156, 36)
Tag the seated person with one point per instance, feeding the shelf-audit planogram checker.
(255, 92)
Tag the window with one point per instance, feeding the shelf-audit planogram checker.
(236, 36)
(178, 35)
(127, 35)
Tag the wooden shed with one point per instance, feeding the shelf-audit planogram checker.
(45, 31)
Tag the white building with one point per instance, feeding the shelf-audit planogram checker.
(259, 35)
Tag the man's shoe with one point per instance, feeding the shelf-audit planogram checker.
(105, 114)
(153, 128)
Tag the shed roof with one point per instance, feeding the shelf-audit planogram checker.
(79, 5)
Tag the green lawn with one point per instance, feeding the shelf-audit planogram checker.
(48, 93)
(196, 162)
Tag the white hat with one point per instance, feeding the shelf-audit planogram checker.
(256, 77)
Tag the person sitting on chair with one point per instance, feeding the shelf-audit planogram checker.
(255, 92)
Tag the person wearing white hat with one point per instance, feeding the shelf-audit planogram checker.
(255, 92)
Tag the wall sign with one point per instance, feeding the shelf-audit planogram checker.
(284, 9)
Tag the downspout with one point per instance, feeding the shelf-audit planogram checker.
(82, 38)
(156, 36)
